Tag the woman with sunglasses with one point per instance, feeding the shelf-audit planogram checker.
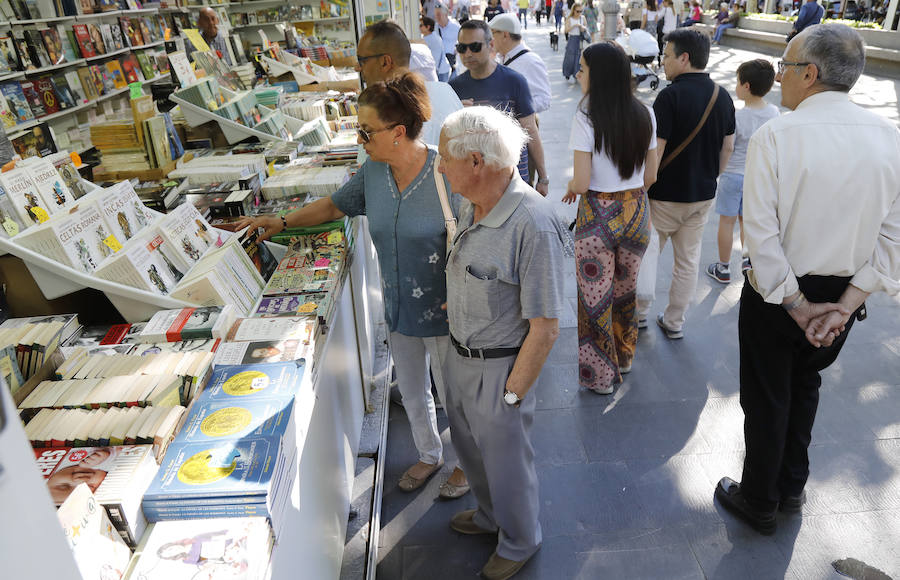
(614, 139)
(576, 29)
(396, 189)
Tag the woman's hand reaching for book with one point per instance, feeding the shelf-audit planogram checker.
(271, 225)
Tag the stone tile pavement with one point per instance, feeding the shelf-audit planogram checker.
(627, 480)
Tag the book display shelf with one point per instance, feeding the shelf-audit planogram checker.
(315, 486)
(64, 64)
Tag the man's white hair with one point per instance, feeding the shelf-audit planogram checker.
(496, 135)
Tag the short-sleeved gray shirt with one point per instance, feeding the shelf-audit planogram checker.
(505, 269)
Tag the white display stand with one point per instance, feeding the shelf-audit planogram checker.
(278, 68)
(329, 419)
(32, 543)
(233, 131)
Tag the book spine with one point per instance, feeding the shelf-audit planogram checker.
(116, 513)
(173, 333)
(154, 515)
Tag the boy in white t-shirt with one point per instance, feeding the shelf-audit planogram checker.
(755, 80)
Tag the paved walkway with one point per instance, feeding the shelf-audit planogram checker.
(627, 480)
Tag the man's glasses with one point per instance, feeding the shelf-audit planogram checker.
(782, 64)
(475, 47)
(366, 136)
(363, 59)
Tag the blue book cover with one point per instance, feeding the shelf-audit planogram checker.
(18, 104)
(213, 420)
(257, 381)
(154, 514)
(238, 468)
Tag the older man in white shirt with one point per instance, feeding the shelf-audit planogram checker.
(822, 236)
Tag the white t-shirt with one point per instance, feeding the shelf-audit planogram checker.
(650, 14)
(747, 121)
(604, 175)
(670, 21)
(444, 101)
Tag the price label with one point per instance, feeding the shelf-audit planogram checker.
(11, 227)
(307, 308)
(41, 214)
(322, 262)
(335, 237)
(113, 243)
(136, 91)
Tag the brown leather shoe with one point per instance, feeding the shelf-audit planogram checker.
(498, 568)
(463, 523)
(409, 483)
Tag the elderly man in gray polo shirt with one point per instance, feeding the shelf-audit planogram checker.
(504, 296)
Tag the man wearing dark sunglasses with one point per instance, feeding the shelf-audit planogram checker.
(486, 82)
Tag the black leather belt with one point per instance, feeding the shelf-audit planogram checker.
(483, 353)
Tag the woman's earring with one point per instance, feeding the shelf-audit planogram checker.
(396, 143)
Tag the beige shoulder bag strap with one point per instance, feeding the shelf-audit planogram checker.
(449, 218)
(687, 141)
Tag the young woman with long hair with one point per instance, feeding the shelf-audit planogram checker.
(614, 140)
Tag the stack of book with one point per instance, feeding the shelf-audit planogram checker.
(315, 181)
(237, 453)
(26, 343)
(191, 367)
(118, 477)
(228, 547)
(101, 427)
(188, 324)
(224, 276)
(161, 390)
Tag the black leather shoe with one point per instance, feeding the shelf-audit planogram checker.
(792, 504)
(728, 492)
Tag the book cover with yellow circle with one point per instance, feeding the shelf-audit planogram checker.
(215, 420)
(255, 381)
(242, 468)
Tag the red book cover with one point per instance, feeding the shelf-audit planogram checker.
(116, 333)
(84, 40)
(49, 98)
(129, 67)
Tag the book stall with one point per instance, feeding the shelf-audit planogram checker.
(207, 424)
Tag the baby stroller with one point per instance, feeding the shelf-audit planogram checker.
(642, 47)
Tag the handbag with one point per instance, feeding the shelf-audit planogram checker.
(712, 101)
(449, 218)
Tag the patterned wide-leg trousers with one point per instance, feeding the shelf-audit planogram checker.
(611, 234)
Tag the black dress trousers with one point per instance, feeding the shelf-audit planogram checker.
(779, 373)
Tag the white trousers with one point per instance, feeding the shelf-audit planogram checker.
(413, 356)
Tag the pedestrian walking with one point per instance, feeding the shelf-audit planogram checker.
(576, 29)
(695, 137)
(614, 141)
(754, 81)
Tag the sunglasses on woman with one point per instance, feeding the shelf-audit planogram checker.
(462, 47)
(366, 136)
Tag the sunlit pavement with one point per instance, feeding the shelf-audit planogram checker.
(627, 480)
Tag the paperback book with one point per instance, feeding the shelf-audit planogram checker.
(116, 475)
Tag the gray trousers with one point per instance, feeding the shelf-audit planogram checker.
(492, 440)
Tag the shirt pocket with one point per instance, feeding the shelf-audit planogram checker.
(482, 295)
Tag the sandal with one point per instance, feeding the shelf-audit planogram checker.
(450, 490)
(409, 483)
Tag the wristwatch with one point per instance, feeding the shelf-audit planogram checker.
(510, 398)
(544, 181)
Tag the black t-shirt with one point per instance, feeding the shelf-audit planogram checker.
(691, 176)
